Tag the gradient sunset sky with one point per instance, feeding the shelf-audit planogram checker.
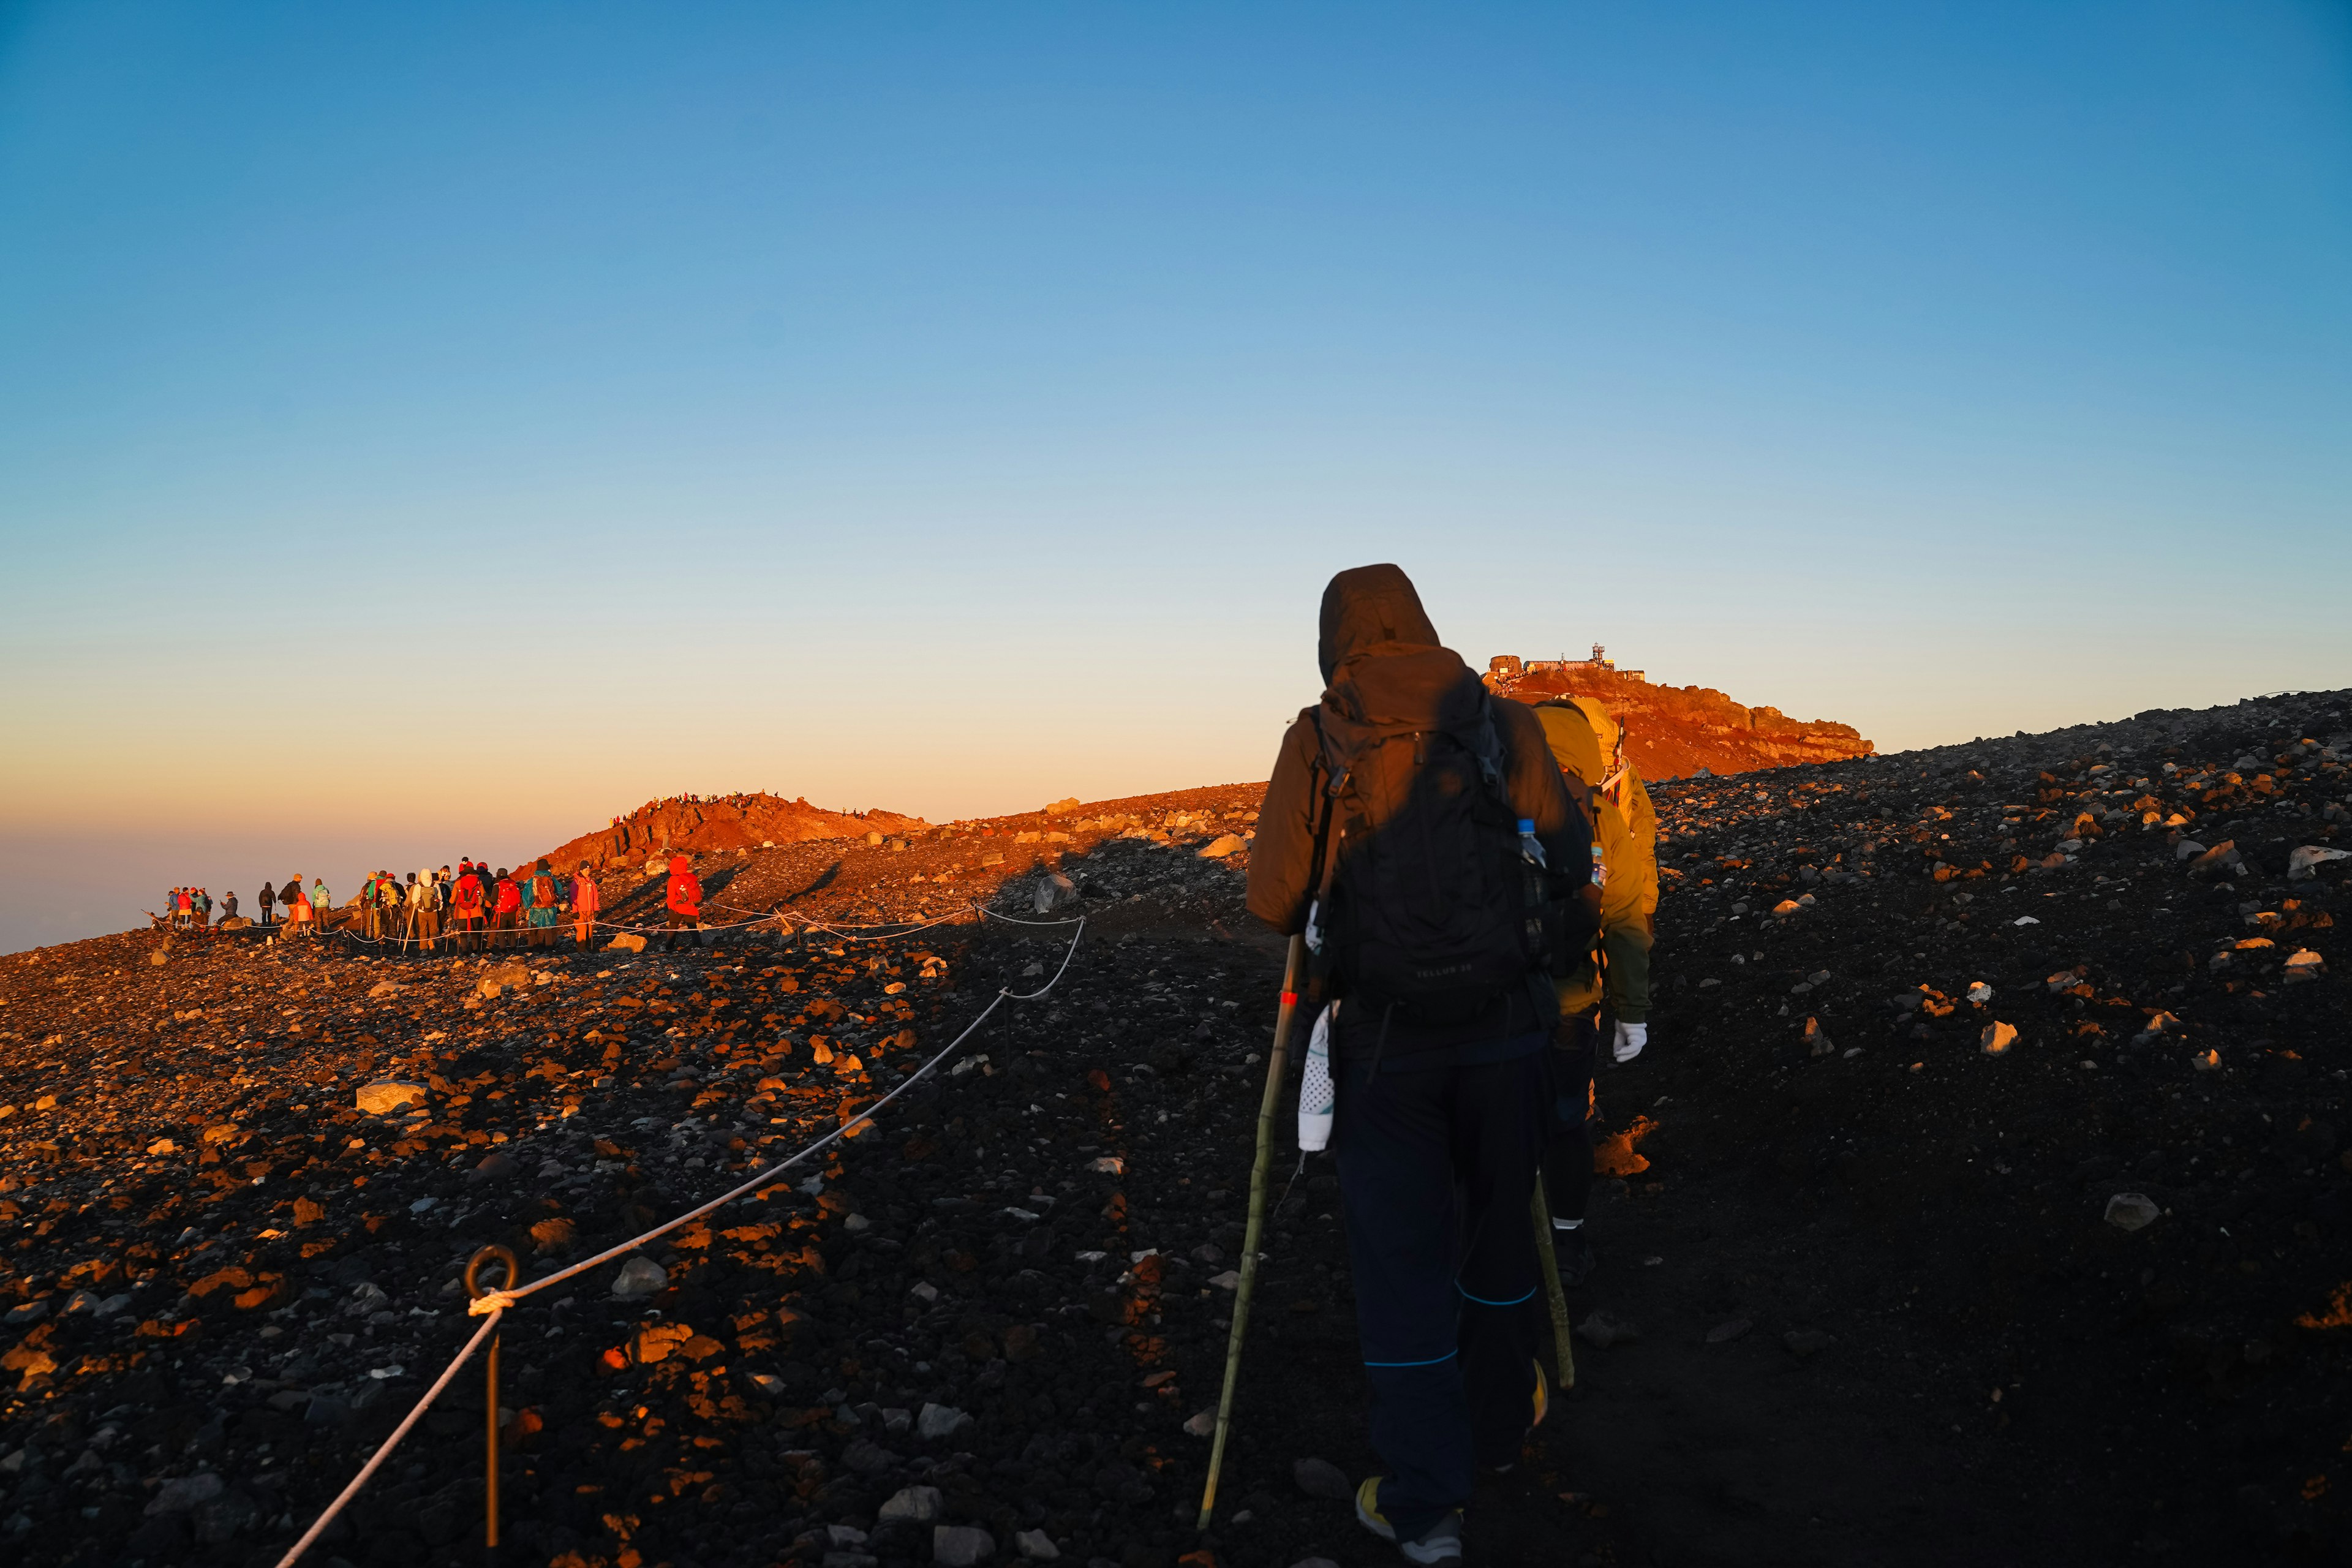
(428, 430)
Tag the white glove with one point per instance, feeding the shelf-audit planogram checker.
(1631, 1038)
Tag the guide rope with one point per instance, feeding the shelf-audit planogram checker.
(492, 1306)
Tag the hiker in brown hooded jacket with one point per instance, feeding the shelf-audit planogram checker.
(1413, 883)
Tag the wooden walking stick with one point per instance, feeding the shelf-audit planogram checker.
(1266, 1108)
(1563, 1354)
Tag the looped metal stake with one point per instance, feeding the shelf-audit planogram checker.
(496, 1300)
(493, 1253)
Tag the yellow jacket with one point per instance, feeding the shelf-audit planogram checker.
(1589, 745)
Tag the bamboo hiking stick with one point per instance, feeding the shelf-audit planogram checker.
(1563, 1355)
(1266, 1108)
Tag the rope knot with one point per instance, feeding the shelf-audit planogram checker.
(492, 1301)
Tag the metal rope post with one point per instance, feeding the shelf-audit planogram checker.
(474, 1289)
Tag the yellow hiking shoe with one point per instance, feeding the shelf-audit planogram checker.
(1439, 1546)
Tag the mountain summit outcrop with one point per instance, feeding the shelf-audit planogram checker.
(1672, 731)
(703, 824)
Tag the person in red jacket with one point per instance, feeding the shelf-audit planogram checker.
(506, 911)
(465, 908)
(585, 901)
(684, 903)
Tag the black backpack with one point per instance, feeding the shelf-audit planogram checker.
(1427, 902)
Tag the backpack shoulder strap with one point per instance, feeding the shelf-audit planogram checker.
(1489, 746)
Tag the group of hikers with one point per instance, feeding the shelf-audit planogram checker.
(471, 909)
(475, 908)
(190, 908)
(302, 911)
(1472, 884)
(659, 801)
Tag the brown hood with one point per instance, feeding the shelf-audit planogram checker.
(1370, 609)
(1386, 671)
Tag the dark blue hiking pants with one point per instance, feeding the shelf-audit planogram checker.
(1437, 1164)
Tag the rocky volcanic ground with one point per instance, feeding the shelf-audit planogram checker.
(1870, 1292)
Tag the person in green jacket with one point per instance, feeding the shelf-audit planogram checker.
(1605, 1003)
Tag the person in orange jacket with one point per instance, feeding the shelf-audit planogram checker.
(684, 903)
(466, 909)
(585, 901)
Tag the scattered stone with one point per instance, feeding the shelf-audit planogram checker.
(1725, 1333)
(2133, 1211)
(1054, 891)
(1036, 1546)
(390, 1097)
(1817, 1039)
(937, 1421)
(640, 1277)
(182, 1493)
(1322, 1478)
(1996, 1038)
(1224, 844)
(2306, 860)
(1600, 1330)
(960, 1545)
(1202, 1423)
(919, 1504)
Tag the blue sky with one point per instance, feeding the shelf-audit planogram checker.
(953, 408)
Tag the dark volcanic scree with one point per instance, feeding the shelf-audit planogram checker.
(1982, 1197)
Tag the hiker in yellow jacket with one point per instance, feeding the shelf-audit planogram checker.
(1613, 988)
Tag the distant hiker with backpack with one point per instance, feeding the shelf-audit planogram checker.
(466, 909)
(1418, 832)
(546, 893)
(586, 899)
(506, 909)
(298, 907)
(423, 911)
(266, 898)
(683, 906)
(1590, 747)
